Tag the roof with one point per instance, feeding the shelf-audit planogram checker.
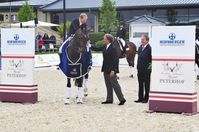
(194, 21)
(146, 20)
(8, 0)
(93, 4)
(35, 3)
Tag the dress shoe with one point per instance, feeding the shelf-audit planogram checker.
(122, 102)
(107, 102)
(145, 101)
(138, 101)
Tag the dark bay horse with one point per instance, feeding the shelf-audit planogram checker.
(78, 45)
(128, 54)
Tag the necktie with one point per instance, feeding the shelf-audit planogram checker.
(142, 48)
(107, 47)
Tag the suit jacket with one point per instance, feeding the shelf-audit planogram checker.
(144, 58)
(110, 60)
(121, 33)
(75, 25)
(197, 54)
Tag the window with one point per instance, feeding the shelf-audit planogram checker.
(14, 18)
(177, 15)
(193, 14)
(1, 17)
(6, 16)
(139, 34)
(131, 14)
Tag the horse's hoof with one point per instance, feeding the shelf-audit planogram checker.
(67, 101)
(131, 76)
(79, 101)
(85, 92)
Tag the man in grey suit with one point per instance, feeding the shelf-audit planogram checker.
(110, 69)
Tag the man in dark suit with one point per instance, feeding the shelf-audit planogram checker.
(110, 69)
(76, 23)
(144, 71)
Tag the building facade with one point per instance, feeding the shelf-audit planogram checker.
(9, 11)
(174, 12)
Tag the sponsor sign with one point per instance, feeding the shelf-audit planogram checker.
(173, 76)
(18, 41)
(17, 57)
(17, 71)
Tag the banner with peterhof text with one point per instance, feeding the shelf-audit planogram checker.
(173, 76)
(17, 55)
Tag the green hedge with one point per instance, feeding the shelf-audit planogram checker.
(97, 37)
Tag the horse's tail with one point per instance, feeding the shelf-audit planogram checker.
(132, 46)
(131, 53)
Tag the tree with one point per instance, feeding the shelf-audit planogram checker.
(60, 29)
(108, 16)
(26, 13)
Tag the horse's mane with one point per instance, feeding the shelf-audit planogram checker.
(83, 27)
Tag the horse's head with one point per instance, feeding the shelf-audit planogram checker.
(81, 38)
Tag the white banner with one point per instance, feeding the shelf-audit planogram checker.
(173, 41)
(17, 71)
(47, 60)
(173, 53)
(173, 76)
(97, 59)
(17, 53)
(16, 41)
(53, 60)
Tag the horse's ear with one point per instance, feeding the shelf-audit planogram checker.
(83, 27)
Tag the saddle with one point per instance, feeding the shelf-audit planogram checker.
(123, 46)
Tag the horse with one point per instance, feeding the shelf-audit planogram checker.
(74, 47)
(128, 54)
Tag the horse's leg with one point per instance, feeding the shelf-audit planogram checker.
(85, 85)
(80, 90)
(68, 91)
(131, 65)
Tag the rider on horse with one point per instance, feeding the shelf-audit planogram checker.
(76, 23)
(75, 26)
(124, 49)
(121, 34)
